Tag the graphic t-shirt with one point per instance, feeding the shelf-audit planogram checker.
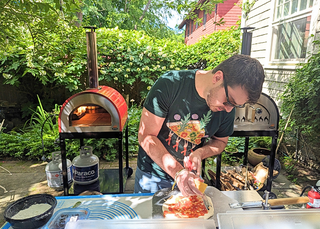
(188, 119)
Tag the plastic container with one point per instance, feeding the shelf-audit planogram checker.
(85, 167)
(275, 219)
(143, 224)
(54, 172)
(63, 216)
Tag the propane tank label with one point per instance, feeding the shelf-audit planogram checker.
(86, 174)
(54, 179)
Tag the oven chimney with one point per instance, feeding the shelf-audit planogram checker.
(92, 58)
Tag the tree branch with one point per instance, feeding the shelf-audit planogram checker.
(7, 3)
(145, 10)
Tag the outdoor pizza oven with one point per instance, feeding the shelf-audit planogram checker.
(98, 112)
(100, 109)
(260, 119)
(262, 116)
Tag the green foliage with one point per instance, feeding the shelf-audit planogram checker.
(33, 18)
(138, 15)
(27, 144)
(213, 48)
(303, 94)
(238, 143)
(236, 147)
(247, 6)
(37, 18)
(231, 159)
(289, 164)
(40, 130)
(129, 61)
(134, 115)
(235, 144)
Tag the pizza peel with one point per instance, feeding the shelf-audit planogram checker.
(220, 201)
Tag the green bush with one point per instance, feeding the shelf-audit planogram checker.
(27, 144)
(129, 61)
(302, 95)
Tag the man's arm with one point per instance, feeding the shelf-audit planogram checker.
(213, 147)
(149, 128)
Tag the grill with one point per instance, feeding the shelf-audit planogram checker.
(98, 112)
(260, 119)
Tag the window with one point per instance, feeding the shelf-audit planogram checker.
(188, 28)
(291, 29)
(191, 27)
(204, 19)
(288, 7)
(197, 21)
(291, 39)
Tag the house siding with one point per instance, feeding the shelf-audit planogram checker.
(277, 74)
(229, 11)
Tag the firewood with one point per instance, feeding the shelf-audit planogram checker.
(236, 176)
(231, 181)
(212, 175)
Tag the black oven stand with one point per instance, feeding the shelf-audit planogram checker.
(247, 134)
(81, 136)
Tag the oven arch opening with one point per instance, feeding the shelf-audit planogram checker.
(89, 115)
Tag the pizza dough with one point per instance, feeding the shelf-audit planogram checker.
(32, 211)
(169, 203)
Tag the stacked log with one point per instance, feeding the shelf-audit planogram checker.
(246, 179)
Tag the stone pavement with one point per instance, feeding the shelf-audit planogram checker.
(21, 178)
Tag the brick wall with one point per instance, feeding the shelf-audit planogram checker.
(229, 11)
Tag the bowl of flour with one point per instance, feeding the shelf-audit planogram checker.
(30, 212)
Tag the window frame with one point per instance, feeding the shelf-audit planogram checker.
(204, 18)
(282, 19)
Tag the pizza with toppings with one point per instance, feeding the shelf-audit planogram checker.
(179, 206)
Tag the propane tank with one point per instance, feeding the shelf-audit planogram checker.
(54, 172)
(69, 172)
(85, 167)
(314, 197)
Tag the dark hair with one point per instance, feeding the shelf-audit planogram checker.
(244, 71)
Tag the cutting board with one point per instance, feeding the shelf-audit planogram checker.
(219, 200)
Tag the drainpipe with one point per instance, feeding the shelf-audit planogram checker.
(215, 16)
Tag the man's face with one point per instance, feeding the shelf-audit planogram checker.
(225, 98)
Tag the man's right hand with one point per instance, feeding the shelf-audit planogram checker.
(185, 181)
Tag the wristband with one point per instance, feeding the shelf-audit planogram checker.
(175, 178)
(177, 174)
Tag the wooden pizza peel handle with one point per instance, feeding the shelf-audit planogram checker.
(286, 201)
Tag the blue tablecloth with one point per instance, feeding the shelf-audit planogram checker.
(116, 206)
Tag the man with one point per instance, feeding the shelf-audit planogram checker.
(182, 111)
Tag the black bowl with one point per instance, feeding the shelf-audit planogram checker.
(24, 203)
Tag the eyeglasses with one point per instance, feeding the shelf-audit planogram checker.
(228, 103)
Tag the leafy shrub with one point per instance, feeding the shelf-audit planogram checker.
(27, 144)
(129, 61)
(302, 95)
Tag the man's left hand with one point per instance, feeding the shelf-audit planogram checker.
(193, 162)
